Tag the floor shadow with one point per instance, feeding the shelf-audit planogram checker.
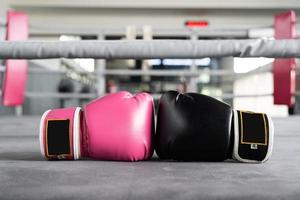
(21, 156)
(157, 159)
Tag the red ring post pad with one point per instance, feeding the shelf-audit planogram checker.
(284, 70)
(16, 70)
(59, 134)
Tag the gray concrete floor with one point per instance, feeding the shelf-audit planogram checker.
(24, 174)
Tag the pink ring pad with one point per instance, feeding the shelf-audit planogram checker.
(15, 77)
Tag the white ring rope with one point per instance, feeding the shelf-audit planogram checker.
(155, 96)
(140, 49)
(156, 72)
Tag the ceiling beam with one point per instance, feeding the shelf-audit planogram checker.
(157, 4)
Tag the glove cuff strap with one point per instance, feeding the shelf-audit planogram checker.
(60, 134)
(253, 136)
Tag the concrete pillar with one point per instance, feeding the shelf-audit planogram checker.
(192, 85)
(100, 69)
(226, 83)
(147, 35)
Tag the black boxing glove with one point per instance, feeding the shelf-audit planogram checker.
(195, 127)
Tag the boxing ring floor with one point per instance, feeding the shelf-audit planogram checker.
(24, 174)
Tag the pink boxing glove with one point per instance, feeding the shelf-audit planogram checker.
(118, 126)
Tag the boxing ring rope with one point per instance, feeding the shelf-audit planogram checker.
(156, 72)
(155, 96)
(207, 32)
(148, 50)
(94, 95)
(140, 49)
